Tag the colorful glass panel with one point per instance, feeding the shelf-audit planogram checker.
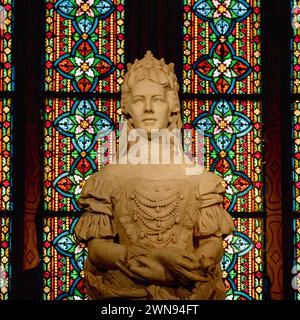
(296, 156)
(6, 29)
(84, 52)
(221, 46)
(71, 148)
(63, 260)
(242, 263)
(6, 87)
(295, 69)
(5, 266)
(295, 88)
(232, 147)
(84, 45)
(296, 260)
(5, 154)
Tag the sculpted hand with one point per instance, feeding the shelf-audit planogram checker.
(207, 264)
(150, 269)
(183, 266)
(125, 268)
(139, 265)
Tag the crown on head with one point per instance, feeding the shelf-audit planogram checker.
(149, 62)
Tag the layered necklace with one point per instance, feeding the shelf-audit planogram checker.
(156, 216)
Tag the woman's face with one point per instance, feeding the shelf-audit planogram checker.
(149, 108)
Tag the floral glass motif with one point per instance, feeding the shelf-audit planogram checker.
(73, 131)
(296, 156)
(84, 45)
(295, 46)
(222, 14)
(296, 260)
(232, 147)
(6, 29)
(63, 260)
(242, 263)
(85, 13)
(222, 55)
(7, 86)
(69, 184)
(84, 66)
(5, 154)
(221, 46)
(84, 53)
(5, 263)
(223, 124)
(295, 106)
(222, 68)
(83, 123)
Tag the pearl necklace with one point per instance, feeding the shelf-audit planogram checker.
(156, 217)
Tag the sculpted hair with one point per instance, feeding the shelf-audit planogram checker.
(149, 68)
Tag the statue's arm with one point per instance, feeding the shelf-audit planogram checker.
(210, 250)
(104, 254)
(174, 265)
(107, 255)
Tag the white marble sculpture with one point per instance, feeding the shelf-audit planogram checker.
(153, 232)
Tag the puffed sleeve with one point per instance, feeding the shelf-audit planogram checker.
(212, 218)
(95, 202)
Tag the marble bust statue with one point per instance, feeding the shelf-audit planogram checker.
(153, 232)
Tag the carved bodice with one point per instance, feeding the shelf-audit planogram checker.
(155, 212)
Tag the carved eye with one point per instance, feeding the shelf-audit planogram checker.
(158, 99)
(138, 100)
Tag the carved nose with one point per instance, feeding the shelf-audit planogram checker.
(148, 106)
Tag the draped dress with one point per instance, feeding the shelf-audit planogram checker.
(128, 208)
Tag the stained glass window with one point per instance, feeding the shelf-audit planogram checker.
(71, 149)
(5, 266)
(63, 260)
(5, 153)
(296, 260)
(84, 53)
(296, 157)
(84, 45)
(295, 5)
(6, 28)
(233, 148)
(222, 57)
(295, 90)
(6, 89)
(221, 48)
(242, 263)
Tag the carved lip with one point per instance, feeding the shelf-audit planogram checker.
(149, 119)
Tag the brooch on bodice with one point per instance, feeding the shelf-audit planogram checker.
(156, 215)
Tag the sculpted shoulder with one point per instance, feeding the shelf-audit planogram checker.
(123, 172)
(110, 171)
(210, 183)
